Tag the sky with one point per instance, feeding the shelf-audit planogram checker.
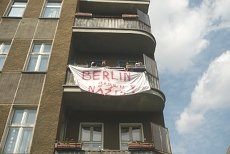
(193, 57)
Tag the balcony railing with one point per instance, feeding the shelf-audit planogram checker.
(127, 22)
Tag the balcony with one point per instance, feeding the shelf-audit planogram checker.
(123, 34)
(127, 21)
(152, 100)
(159, 144)
(114, 6)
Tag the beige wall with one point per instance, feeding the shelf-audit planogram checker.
(47, 121)
(4, 110)
(19, 88)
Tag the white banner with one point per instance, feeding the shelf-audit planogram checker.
(104, 81)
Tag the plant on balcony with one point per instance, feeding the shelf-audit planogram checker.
(68, 145)
(138, 145)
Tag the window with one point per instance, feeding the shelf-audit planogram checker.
(91, 136)
(20, 130)
(52, 9)
(39, 57)
(17, 8)
(4, 49)
(130, 133)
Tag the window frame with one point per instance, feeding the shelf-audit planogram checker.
(21, 126)
(39, 54)
(2, 44)
(12, 5)
(45, 6)
(130, 125)
(91, 124)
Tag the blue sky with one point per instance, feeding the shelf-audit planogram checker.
(193, 56)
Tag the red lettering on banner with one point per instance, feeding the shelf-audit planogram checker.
(96, 76)
(86, 75)
(120, 76)
(100, 91)
(105, 75)
(127, 74)
(108, 90)
(112, 76)
(132, 87)
(91, 89)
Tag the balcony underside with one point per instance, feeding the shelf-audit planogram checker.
(114, 6)
(152, 100)
(113, 41)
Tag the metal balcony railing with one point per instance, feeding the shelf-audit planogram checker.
(127, 22)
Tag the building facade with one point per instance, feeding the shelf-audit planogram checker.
(44, 111)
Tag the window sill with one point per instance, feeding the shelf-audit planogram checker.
(49, 18)
(7, 17)
(33, 72)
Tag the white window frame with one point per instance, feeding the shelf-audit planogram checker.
(91, 125)
(52, 6)
(12, 5)
(130, 125)
(39, 54)
(2, 46)
(21, 126)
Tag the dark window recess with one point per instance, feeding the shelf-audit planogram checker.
(121, 63)
(95, 63)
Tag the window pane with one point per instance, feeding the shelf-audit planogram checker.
(136, 133)
(2, 60)
(91, 146)
(31, 117)
(25, 140)
(32, 63)
(17, 118)
(53, 4)
(47, 48)
(124, 146)
(125, 134)
(22, 4)
(51, 12)
(5, 48)
(11, 140)
(85, 136)
(97, 134)
(36, 48)
(16, 12)
(43, 63)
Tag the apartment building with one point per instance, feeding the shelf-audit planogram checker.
(44, 108)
